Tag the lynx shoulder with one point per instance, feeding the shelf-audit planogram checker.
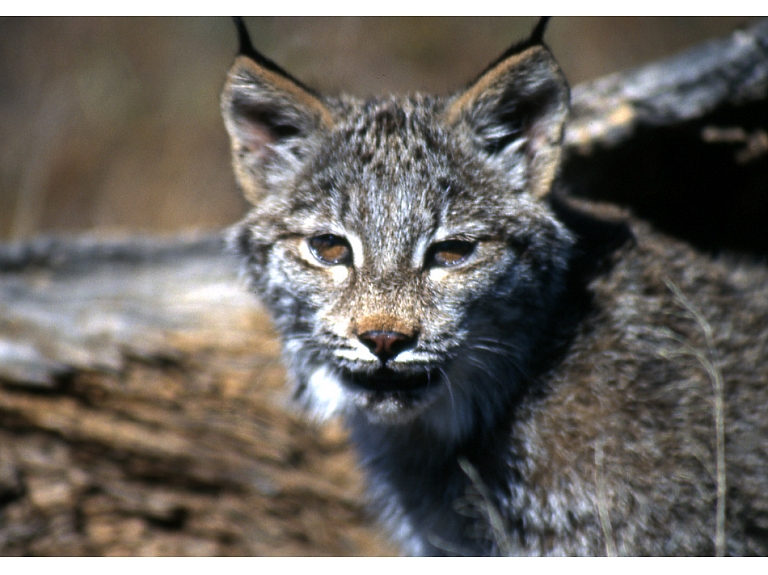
(520, 374)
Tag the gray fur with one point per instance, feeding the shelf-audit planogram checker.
(571, 381)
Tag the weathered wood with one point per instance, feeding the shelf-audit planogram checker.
(142, 406)
(142, 412)
(729, 71)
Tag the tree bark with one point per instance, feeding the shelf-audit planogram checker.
(142, 402)
(143, 412)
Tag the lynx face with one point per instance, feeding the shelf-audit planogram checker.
(403, 244)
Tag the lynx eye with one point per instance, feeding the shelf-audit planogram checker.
(449, 253)
(330, 249)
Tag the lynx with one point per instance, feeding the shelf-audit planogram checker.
(520, 373)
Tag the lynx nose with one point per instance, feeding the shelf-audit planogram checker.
(386, 344)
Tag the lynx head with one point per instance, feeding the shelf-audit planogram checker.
(404, 245)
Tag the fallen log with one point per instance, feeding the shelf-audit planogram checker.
(142, 412)
(142, 406)
(682, 142)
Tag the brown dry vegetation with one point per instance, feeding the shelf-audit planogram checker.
(113, 123)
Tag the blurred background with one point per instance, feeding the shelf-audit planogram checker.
(111, 125)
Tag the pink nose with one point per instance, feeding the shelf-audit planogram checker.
(386, 344)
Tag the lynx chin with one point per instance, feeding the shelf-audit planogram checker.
(520, 373)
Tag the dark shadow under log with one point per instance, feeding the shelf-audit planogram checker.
(683, 142)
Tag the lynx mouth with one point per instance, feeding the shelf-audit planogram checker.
(385, 380)
(390, 397)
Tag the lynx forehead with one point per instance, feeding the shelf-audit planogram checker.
(491, 348)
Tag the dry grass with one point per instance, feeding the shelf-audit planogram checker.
(602, 502)
(114, 123)
(707, 358)
(481, 502)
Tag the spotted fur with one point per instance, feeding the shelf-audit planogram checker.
(519, 374)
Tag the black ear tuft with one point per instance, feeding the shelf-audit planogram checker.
(536, 38)
(245, 48)
(537, 34)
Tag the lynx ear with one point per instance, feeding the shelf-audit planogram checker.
(515, 112)
(272, 120)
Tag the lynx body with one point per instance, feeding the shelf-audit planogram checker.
(519, 374)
